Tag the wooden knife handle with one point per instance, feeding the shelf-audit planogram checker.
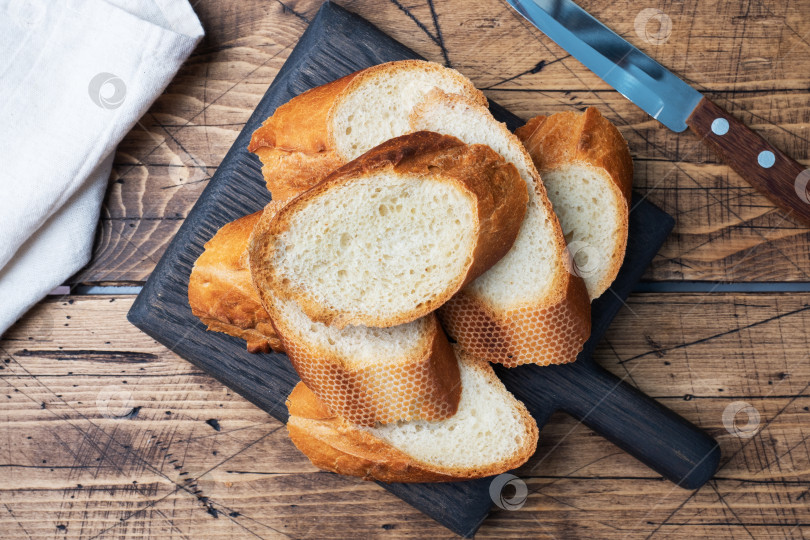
(785, 182)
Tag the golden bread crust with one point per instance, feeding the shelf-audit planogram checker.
(297, 145)
(334, 444)
(587, 139)
(570, 137)
(542, 334)
(426, 387)
(221, 292)
(288, 174)
(495, 186)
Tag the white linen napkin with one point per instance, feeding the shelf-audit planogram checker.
(75, 76)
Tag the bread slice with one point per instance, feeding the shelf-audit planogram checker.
(588, 174)
(221, 292)
(369, 375)
(491, 433)
(325, 127)
(527, 308)
(372, 375)
(392, 235)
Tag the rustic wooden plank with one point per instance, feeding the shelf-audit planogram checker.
(696, 353)
(489, 38)
(725, 230)
(753, 62)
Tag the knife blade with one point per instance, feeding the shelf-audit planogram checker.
(668, 99)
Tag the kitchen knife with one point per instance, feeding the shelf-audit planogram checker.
(672, 102)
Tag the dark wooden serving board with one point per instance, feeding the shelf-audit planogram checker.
(337, 43)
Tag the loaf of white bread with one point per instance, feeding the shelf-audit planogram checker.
(358, 414)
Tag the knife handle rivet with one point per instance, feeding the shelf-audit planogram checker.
(766, 159)
(720, 126)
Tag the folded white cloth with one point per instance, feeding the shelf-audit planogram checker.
(75, 77)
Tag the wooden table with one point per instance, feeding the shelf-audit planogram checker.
(105, 433)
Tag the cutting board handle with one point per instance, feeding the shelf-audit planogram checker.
(635, 422)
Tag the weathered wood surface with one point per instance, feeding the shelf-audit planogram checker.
(120, 444)
(750, 57)
(106, 433)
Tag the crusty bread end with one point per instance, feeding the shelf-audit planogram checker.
(221, 292)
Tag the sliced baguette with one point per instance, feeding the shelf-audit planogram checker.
(325, 127)
(528, 308)
(588, 173)
(369, 375)
(392, 235)
(491, 433)
(221, 292)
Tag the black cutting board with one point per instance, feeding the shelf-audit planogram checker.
(337, 43)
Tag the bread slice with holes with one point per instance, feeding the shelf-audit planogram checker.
(527, 308)
(491, 433)
(221, 292)
(588, 173)
(392, 235)
(318, 131)
(368, 375)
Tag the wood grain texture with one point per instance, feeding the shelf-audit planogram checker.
(178, 454)
(751, 58)
(156, 464)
